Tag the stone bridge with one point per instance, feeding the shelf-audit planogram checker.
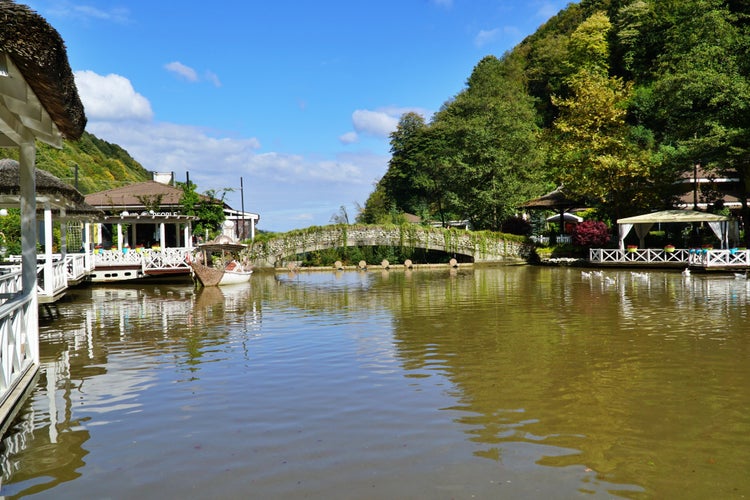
(477, 246)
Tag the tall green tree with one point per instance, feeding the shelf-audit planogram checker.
(701, 90)
(489, 143)
(594, 155)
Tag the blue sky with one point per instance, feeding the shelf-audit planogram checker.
(296, 97)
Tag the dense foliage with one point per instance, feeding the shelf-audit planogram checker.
(614, 99)
(208, 208)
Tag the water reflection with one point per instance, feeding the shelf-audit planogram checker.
(525, 381)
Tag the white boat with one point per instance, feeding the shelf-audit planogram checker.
(226, 270)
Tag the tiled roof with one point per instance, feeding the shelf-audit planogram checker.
(131, 195)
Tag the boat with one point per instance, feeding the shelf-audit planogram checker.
(220, 263)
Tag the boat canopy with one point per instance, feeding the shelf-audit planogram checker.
(724, 227)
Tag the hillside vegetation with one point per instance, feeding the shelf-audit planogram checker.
(613, 99)
(101, 165)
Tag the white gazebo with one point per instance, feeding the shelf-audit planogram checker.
(725, 228)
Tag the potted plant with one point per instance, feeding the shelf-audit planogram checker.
(632, 248)
(669, 248)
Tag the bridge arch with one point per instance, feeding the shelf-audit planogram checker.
(477, 246)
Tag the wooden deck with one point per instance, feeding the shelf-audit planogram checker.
(698, 258)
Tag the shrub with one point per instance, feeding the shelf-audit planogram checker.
(516, 225)
(591, 233)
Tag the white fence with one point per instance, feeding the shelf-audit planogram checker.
(148, 259)
(689, 257)
(18, 348)
(76, 266)
(645, 256)
(720, 258)
(10, 283)
(544, 240)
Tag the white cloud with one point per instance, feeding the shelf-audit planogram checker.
(349, 138)
(118, 15)
(111, 97)
(213, 78)
(83, 12)
(486, 36)
(180, 69)
(377, 123)
(381, 122)
(287, 190)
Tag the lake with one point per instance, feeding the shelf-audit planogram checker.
(510, 382)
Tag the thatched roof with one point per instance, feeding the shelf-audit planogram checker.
(49, 189)
(555, 200)
(39, 53)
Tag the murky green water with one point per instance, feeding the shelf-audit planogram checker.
(520, 382)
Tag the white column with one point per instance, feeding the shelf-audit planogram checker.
(186, 235)
(27, 189)
(49, 272)
(119, 237)
(162, 236)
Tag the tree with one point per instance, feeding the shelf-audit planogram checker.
(208, 208)
(594, 155)
(701, 93)
(489, 145)
(404, 182)
(342, 217)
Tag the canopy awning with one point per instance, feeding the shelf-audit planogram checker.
(567, 217)
(724, 227)
(674, 216)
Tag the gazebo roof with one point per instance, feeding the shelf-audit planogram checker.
(33, 56)
(554, 200)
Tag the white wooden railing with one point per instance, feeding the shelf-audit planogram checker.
(76, 266)
(690, 257)
(544, 240)
(10, 282)
(59, 279)
(149, 259)
(48, 287)
(18, 348)
(646, 256)
(720, 258)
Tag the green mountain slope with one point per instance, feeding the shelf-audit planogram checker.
(101, 165)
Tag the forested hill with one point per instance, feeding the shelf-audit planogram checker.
(613, 99)
(101, 165)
